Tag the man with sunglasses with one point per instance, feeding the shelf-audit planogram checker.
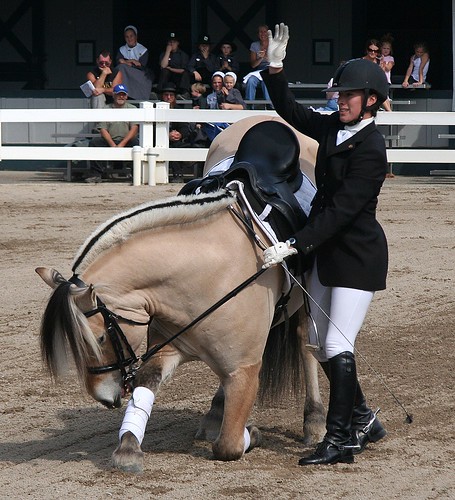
(104, 80)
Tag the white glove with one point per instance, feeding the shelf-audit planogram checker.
(276, 51)
(277, 253)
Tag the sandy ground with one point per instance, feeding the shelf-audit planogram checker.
(56, 441)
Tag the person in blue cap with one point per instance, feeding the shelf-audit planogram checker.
(113, 134)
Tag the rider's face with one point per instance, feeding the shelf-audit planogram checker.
(350, 105)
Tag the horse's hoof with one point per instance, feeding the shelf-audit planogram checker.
(131, 462)
(255, 436)
(128, 456)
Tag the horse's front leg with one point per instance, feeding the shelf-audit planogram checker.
(240, 390)
(128, 456)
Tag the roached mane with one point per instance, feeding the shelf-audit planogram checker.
(175, 210)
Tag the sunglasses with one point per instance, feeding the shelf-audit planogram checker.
(104, 63)
(376, 51)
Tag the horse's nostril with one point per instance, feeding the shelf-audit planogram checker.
(112, 404)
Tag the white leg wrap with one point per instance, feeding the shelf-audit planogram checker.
(137, 413)
(246, 437)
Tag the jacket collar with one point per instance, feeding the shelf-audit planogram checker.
(349, 143)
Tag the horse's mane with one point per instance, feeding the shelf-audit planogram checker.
(170, 211)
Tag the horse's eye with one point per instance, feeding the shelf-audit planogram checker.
(101, 339)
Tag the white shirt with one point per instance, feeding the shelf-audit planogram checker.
(350, 130)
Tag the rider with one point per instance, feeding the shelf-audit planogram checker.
(342, 234)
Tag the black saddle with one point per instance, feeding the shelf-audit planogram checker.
(267, 163)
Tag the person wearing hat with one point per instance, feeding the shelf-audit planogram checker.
(203, 63)
(227, 61)
(132, 62)
(342, 243)
(173, 66)
(113, 134)
(179, 132)
(232, 97)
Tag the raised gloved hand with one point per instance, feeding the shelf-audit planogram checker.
(276, 51)
(277, 253)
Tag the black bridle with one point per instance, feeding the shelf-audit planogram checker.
(118, 340)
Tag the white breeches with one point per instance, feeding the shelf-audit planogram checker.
(346, 308)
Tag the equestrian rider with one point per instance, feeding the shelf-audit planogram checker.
(347, 243)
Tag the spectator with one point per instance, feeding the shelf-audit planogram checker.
(332, 99)
(197, 95)
(214, 100)
(419, 63)
(179, 132)
(373, 54)
(132, 59)
(203, 63)
(113, 134)
(173, 67)
(372, 50)
(215, 97)
(104, 80)
(258, 62)
(387, 60)
(227, 61)
(232, 98)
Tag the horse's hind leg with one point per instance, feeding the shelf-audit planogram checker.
(314, 413)
(128, 456)
(210, 425)
(240, 390)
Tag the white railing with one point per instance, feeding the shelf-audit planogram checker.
(151, 157)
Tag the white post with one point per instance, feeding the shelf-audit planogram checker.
(151, 158)
(162, 141)
(137, 165)
(145, 137)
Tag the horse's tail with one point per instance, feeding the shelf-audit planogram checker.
(281, 373)
(64, 325)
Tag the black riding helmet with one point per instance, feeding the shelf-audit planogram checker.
(360, 74)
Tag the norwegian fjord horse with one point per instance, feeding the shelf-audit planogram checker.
(148, 273)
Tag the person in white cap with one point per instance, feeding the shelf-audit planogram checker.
(132, 61)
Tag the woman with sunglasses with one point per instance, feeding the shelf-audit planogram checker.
(373, 54)
(372, 51)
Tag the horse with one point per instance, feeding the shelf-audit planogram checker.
(185, 274)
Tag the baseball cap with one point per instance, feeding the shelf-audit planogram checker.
(118, 89)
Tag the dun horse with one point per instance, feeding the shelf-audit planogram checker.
(149, 273)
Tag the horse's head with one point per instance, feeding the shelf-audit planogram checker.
(76, 319)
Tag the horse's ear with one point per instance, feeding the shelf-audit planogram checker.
(86, 301)
(50, 276)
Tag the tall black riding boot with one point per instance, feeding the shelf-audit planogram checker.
(366, 427)
(336, 445)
